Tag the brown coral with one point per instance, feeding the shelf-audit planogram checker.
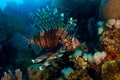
(79, 75)
(111, 9)
(79, 62)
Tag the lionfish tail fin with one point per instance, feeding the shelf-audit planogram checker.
(36, 49)
(19, 41)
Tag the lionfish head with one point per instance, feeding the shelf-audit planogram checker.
(73, 44)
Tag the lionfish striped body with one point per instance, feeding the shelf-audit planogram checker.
(53, 30)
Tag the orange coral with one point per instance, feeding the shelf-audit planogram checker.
(111, 9)
(112, 55)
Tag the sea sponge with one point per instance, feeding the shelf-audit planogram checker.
(110, 9)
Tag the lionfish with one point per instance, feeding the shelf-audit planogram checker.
(53, 30)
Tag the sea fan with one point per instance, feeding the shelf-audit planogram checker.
(53, 30)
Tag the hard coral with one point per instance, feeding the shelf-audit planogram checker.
(110, 9)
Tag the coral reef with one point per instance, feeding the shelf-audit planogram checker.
(81, 62)
(78, 60)
(110, 39)
(110, 9)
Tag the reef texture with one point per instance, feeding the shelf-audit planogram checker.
(80, 71)
(111, 70)
(79, 75)
(111, 41)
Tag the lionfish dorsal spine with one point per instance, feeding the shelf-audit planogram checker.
(47, 19)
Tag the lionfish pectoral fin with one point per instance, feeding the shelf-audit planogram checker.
(36, 48)
(19, 41)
